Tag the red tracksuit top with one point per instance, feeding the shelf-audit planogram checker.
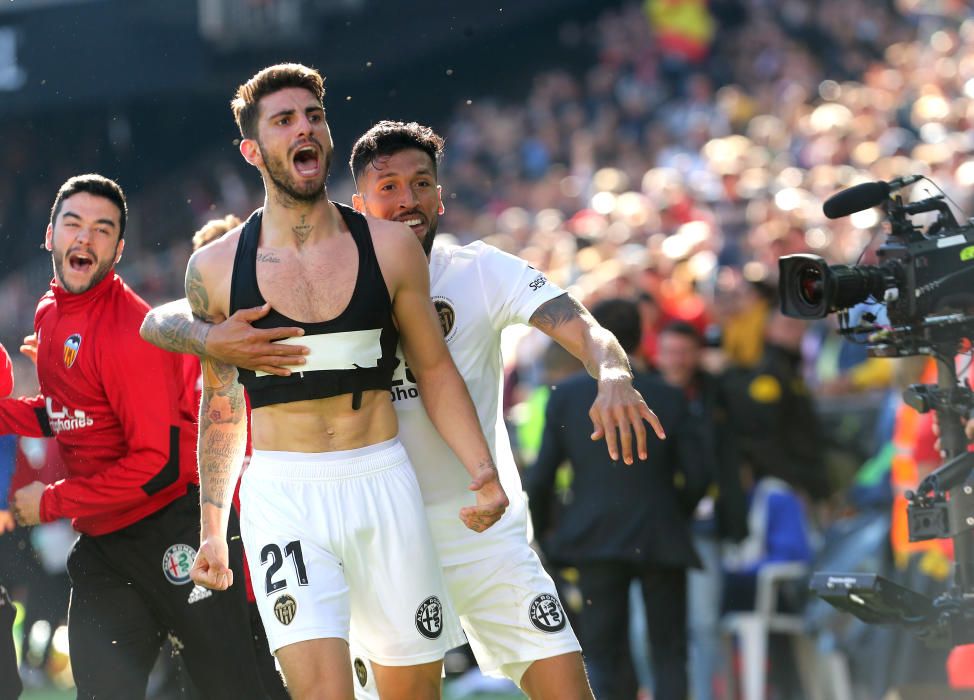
(6, 373)
(118, 406)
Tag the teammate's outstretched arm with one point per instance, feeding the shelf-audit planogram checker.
(619, 410)
(442, 389)
(235, 341)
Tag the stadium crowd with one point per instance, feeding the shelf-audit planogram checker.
(696, 149)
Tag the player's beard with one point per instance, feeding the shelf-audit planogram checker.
(430, 235)
(279, 173)
(60, 257)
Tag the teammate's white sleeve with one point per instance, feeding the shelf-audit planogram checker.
(513, 290)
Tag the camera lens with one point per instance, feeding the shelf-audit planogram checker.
(811, 287)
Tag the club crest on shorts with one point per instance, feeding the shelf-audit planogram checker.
(71, 347)
(177, 562)
(361, 671)
(547, 614)
(447, 315)
(285, 609)
(429, 618)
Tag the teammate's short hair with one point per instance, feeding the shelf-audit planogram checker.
(98, 185)
(214, 229)
(266, 82)
(388, 138)
(621, 318)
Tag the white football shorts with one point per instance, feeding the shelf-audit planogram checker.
(338, 543)
(510, 611)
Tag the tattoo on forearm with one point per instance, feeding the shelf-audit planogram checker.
(555, 312)
(267, 257)
(176, 330)
(218, 375)
(223, 432)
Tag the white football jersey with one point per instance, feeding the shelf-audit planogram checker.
(477, 290)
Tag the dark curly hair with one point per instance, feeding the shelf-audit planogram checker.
(388, 138)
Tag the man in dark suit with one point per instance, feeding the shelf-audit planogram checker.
(623, 523)
(721, 515)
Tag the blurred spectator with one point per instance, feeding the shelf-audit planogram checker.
(7, 444)
(557, 364)
(623, 523)
(772, 414)
(776, 533)
(214, 229)
(721, 515)
(34, 571)
(10, 685)
(744, 310)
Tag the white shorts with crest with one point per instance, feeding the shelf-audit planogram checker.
(511, 614)
(338, 543)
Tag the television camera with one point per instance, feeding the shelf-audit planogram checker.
(924, 286)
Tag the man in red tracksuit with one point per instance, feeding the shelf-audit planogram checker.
(124, 421)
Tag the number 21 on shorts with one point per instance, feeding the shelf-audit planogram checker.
(272, 553)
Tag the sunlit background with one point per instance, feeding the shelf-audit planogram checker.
(671, 148)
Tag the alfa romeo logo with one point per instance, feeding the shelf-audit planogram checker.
(429, 618)
(177, 562)
(546, 613)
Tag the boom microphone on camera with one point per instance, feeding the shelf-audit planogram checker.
(864, 196)
(922, 278)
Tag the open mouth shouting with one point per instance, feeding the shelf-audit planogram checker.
(307, 161)
(81, 261)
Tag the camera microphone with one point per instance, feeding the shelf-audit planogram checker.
(864, 196)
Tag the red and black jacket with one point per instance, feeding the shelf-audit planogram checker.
(119, 407)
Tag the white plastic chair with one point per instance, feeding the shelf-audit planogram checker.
(751, 630)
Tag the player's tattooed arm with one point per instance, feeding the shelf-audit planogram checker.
(557, 312)
(222, 441)
(196, 293)
(619, 410)
(173, 327)
(188, 326)
(182, 325)
(223, 419)
(571, 325)
(222, 433)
